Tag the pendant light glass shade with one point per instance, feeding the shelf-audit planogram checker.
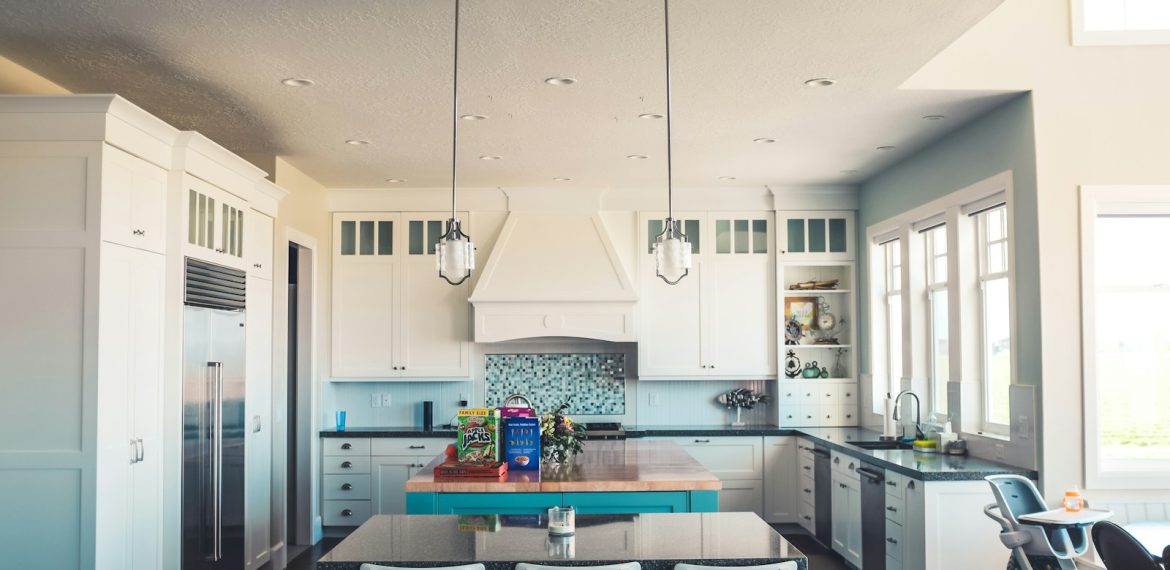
(672, 253)
(455, 254)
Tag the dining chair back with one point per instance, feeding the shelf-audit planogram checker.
(463, 567)
(1119, 550)
(622, 566)
(790, 565)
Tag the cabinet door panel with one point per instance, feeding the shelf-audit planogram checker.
(134, 196)
(148, 283)
(388, 475)
(259, 247)
(629, 502)
(435, 334)
(815, 235)
(364, 303)
(742, 496)
(259, 385)
(670, 342)
(743, 315)
(781, 479)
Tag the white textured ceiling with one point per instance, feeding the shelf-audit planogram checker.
(383, 73)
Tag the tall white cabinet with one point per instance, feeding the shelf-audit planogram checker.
(91, 238)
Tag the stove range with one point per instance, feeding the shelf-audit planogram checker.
(604, 431)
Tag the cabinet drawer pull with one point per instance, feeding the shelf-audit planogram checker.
(347, 513)
(702, 441)
(910, 485)
(809, 491)
(139, 232)
(346, 464)
(892, 509)
(891, 484)
(257, 265)
(418, 447)
(806, 517)
(346, 486)
(837, 460)
(891, 541)
(841, 485)
(347, 446)
(806, 467)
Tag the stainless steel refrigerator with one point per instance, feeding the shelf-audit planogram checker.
(213, 417)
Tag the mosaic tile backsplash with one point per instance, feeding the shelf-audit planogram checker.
(594, 384)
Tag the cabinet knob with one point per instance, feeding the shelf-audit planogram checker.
(346, 487)
(347, 446)
(346, 465)
(347, 513)
(891, 541)
(418, 447)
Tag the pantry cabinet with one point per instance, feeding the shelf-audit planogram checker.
(393, 317)
(710, 324)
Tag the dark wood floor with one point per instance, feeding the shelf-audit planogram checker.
(819, 557)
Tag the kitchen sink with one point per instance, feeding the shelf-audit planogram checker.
(881, 445)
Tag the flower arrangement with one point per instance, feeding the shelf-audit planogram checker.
(560, 438)
(740, 399)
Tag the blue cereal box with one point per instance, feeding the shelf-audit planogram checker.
(522, 443)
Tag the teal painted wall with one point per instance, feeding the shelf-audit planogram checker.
(1000, 140)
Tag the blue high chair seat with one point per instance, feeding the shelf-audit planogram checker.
(1034, 545)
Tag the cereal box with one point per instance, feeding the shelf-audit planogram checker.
(479, 437)
(522, 443)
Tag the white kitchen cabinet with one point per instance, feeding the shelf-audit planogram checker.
(259, 248)
(781, 479)
(362, 477)
(134, 201)
(846, 522)
(393, 317)
(129, 429)
(258, 403)
(738, 462)
(388, 476)
(215, 223)
(710, 323)
(816, 235)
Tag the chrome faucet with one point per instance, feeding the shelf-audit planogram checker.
(917, 412)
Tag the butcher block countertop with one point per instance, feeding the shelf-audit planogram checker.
(603, 466)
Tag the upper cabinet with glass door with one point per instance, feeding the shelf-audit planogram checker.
(215, 223)
(815, 235)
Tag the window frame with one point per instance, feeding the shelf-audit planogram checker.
(937, 387)
(985, 276)
(894, 271)
(1087, 38)
(1095, 201)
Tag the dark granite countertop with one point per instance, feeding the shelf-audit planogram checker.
(921, 466)
(657, 541)
(416, 431)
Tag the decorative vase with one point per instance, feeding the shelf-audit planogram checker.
(738, 418)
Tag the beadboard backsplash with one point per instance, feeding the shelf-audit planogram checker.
(692, 402)
(593, 384)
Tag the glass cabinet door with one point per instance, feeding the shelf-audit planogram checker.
(816, 235)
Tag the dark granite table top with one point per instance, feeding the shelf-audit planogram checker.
(657, 541)
(438, 431)
(921, 466)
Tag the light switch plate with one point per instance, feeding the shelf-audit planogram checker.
(655, 399)
(375, 401)
(386, 400)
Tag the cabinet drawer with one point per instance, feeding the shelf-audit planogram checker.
(895, 510)
(845, 465)
(346, 487)
(346, 465)
(807, 490)
(346, 513)
(789, 396)
(345, 446)
(428, 447)
(895, 536)
(847, 415)
(808, 396)
(790, 416)
(848, 394)
(895, 487)
(727, 457)
(829, 394)
(806, 467)
(806, 516)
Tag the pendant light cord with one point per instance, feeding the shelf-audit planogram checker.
(669, 169)
(455, 111)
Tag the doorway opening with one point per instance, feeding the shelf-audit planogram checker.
(299, 390)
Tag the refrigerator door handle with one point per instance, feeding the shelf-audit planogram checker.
(217, 461)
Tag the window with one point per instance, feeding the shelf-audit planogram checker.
(995, 311)
(1120, 22)
(1126, 339)
(939, 351)
(893, 258)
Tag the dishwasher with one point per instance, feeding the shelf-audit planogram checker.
(823, 485)
(873, 517)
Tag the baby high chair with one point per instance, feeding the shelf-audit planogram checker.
(1039, 538)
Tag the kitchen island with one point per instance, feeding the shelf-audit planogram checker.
(608, 477)
(657, 541)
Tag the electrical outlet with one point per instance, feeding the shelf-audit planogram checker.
(655, 400)
(1000, 451)
(1023, 427)
(386, 403)
(375, 401)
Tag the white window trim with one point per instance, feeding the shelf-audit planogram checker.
(1083, 37)
(982, 244)
(988, 189)
(1097, 200)
(934, 285)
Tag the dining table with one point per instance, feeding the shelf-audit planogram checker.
(658, 541)
(1154, 535)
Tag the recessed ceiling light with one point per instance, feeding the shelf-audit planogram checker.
(395, 180)
(848, 172)
(563, 179)
(727, 178)
(820, 82)
(887, 147)
(490, 157)
(298, 82)
(637, 157)
(935, 117)
(473, 117)
(650, 116)
(764, 140)
(560, 80)
(357, 142)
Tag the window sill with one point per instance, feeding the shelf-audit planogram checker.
(987, 435)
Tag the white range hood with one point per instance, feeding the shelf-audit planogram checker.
(554, 274)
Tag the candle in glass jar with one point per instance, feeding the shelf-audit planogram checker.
(562, 521)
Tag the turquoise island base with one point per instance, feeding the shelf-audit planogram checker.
(608, 477)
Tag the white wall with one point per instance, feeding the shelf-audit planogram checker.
(1100, 118)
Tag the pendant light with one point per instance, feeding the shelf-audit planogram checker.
(672, 249)
(455, 254)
